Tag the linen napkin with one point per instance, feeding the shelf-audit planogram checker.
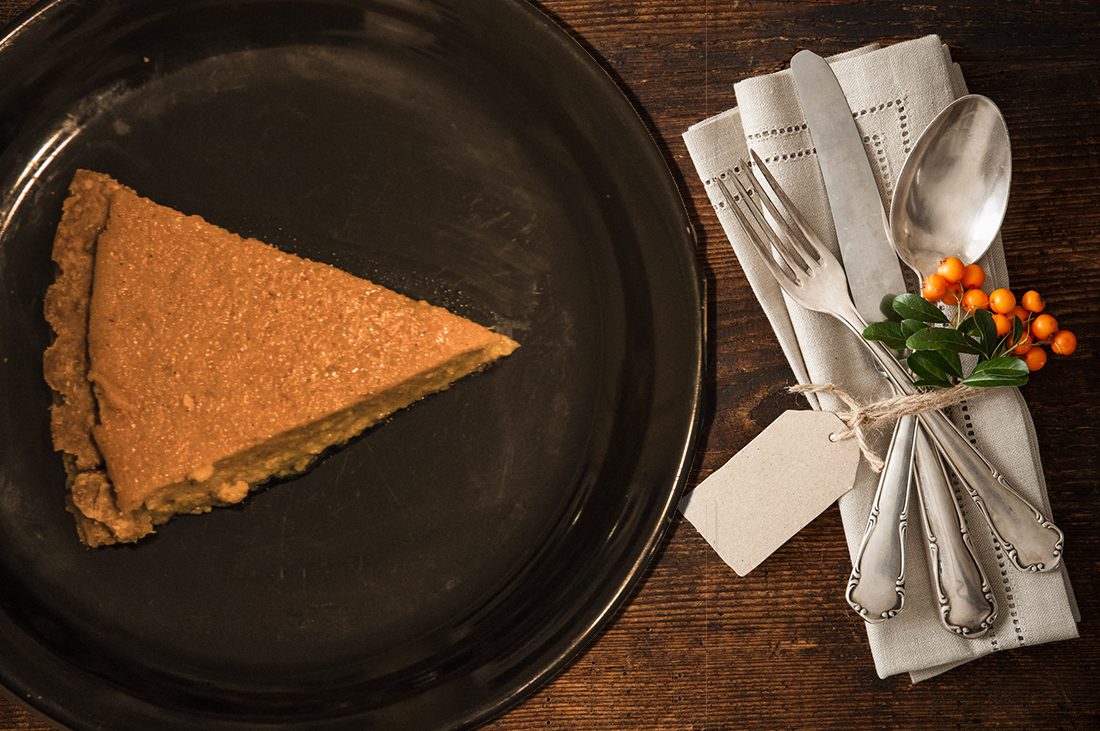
(894, 92)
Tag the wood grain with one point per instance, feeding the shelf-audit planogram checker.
(698, 647)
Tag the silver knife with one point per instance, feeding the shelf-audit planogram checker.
(869, 259)
(966, 602)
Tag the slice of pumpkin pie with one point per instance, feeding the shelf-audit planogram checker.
(191, 364)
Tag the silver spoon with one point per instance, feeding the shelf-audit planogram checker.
(952, 193)
(942, 197)
(950, 200)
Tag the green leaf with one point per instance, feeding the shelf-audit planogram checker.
(888, 333)
(911, 306)
(993, 380)
(926, 365)
(886, 306)
(1007, 365)
(951, 359)
(987, 333)
(909, 327)
(938, 365)
(994, 372)
(940, 338)
(1003, 363)
(1008, 342)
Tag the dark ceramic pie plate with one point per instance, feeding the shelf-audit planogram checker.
(446, 563)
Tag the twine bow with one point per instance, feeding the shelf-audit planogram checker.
(859, 418)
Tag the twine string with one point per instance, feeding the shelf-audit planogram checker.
(859, 418)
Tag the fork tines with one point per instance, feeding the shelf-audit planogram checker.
(772, 223)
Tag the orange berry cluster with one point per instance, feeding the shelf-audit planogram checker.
(957, 284)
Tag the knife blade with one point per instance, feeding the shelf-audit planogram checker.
(858, 215)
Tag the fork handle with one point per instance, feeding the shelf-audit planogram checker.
(876, 589)
(1030, 540)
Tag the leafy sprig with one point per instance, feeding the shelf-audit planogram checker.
(934, 343)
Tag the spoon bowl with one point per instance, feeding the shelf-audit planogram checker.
(951, 195)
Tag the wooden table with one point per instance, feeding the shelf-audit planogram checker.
(700, 648)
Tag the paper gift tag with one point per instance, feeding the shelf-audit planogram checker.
(773, 488)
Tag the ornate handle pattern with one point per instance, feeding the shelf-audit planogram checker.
(876, 589)
(963, 593)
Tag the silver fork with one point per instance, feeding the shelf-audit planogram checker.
(810, 274)
(876, 588)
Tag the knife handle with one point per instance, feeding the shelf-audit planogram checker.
(876, 589)
(964, 597)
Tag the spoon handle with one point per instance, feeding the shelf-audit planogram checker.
(965, 599)
(1030, 540)
(876, 589)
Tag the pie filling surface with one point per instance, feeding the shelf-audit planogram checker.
(191, 364)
